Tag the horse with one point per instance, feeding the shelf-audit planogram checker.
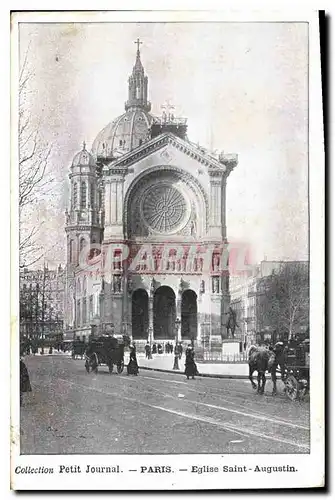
(262, 360)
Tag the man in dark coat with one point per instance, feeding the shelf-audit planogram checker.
(24, 379)
(190, 366)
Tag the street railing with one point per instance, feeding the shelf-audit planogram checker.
(207, 356)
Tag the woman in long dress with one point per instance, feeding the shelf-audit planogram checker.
(190, 366)
(132, 367)
(24, 379)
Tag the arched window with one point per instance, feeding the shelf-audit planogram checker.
(75, 195)
(117, 259)
(71, 251)
(78, 313)
(92, 195)
(84, 312)
(83, 195)
(91, 307)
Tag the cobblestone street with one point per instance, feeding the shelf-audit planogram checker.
(72, 412)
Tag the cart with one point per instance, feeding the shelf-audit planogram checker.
(297, 371)
(104, 350)
(78, 349)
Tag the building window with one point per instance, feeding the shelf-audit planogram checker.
(91, 306)
(92, 196)
(117, 260)
(71, 253)
(83, 195)
(84, 286)
(75, 194)
(78, 313)
(84, 313)
(78, 287)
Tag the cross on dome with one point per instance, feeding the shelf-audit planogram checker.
(138, 43)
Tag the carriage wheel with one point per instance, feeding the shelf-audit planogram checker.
(292, 387)
(120, 367)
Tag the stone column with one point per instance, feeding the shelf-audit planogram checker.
(178, 329)
(215, 204)
(151, 318)
(223, 208)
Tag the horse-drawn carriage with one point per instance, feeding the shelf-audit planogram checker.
(104, 350)
(297, 370)
(78, 349)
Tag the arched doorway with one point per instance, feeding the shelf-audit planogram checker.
(189, 315)
(164, 313)
(139, 312)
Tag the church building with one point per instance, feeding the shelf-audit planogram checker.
(145, 229)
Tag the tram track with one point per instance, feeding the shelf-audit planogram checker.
(194, 415)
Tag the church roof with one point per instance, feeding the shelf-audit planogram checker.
(225, 162)
(83, 158)
(126, 132)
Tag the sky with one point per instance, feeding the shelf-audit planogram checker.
(242, 86)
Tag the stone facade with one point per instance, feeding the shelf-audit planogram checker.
(145, 229)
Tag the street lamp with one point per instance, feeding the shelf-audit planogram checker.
(178, 323)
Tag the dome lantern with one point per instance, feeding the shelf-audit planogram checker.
(132, 129)
(138, 85)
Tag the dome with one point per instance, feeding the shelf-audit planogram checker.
(83, 158)
(123, 134)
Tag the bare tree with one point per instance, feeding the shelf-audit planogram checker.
(34, 155)
(283, 304)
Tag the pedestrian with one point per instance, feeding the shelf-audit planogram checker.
(147, 350)
(154, 349)
(180, 350)
(132, 367)
(160, 349)
(190, 366)
(24, 379)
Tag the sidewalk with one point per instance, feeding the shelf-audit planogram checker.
(164, 363)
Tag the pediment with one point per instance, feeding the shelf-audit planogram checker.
(167, 148)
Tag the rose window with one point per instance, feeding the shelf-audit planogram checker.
(163, 208)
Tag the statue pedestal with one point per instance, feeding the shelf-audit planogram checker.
(230, 346)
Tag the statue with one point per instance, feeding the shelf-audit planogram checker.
(216, 263)
(152, 286)
(180, 288)
(231, 322)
